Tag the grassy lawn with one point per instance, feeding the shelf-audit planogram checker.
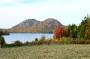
(46, 52)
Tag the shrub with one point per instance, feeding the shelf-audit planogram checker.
(26, 43)
(17, 43)
(36, 39)
(81, 41)
(66, 40)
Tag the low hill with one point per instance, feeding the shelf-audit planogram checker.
(32, 25)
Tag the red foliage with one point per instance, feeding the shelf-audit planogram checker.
(58, 32)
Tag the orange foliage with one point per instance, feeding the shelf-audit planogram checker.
(58, 32)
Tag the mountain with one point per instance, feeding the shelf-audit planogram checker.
(32, 25)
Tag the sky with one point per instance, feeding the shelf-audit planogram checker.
(67, 12)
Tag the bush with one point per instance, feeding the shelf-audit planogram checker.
(81, 41)
(36, 39)
(27, 42)
(17, 43)
(66, 40)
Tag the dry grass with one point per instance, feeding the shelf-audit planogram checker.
(47, 52)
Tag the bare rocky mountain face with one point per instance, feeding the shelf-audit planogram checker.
(32, 25)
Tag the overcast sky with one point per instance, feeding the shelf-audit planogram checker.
(67, 12)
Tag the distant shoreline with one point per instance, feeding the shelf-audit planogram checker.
(30, 32)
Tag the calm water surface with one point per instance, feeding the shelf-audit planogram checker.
(23, 37)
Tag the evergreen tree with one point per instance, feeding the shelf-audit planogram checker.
(2, 42)
(84, 28)
(72, 30)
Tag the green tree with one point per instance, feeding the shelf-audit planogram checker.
(2, 42)
(72, 30)
(84, 28)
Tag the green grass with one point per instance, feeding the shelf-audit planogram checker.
(46, 52)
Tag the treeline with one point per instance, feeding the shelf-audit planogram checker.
(77, 34)
(82, 31)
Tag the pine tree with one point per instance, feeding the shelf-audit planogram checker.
(84, 28)
(72, 30)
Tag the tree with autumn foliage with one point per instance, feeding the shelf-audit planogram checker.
(58, 32)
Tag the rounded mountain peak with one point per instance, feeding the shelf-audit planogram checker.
(53, 21)
(30, 20)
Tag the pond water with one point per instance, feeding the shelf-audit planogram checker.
(23, 37)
